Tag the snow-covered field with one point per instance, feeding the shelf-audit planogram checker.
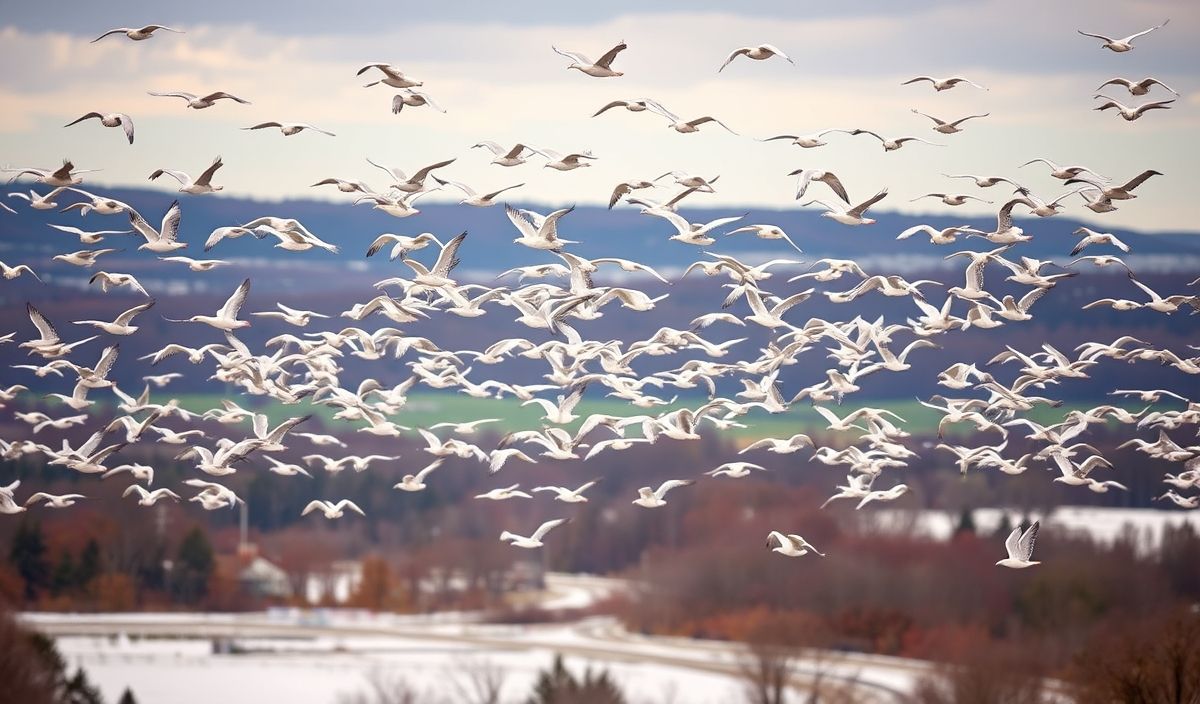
(291, 656)
(1105, 525)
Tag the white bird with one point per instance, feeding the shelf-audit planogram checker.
(289, 128)
(473, 198)
(1131, 113)
(163, 240)
(108, 281)
(538, 231)
(54, 500)
(330, 509)
(197, 265)
(392, 76)
(689, 232)
(413, 99)
(535, 540)
(564, 162)
(226, 318)
(766, 232)
(197, 102)
(416, 482)
(679, 124)
(291, 316)
(1020, 548)
(137, 34)
(63, 176)
(851, 216)
(941, 84)
(884, 495)
(201, 185)
(791, 545)
(945, 127)
(86, 237)
(807, 176)
(785, 446)
(891, 144)
(806, 141)
(504, 493)
(735, 470)
(122, 324)
(758, 53)
(1141, 87)
(505, 157)
(1091, 237)
(149, 498)
(1125, 44)
(653, 498)
(600, 68)
(570, 496)
(12, 272)
(112, 119)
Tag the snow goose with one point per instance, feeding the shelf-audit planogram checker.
(601, 68)
(197, 102)
(654, 498)
(1124, 44)
(761, 52)
(1020, 548)
(137, 34)
(201, 185)
(535, 540)
(112, 119)
(791, 545)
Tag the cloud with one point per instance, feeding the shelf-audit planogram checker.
(501, 81)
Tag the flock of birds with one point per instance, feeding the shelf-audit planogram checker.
(303, 366)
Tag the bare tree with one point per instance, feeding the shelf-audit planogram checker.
(766, 670)
(477, 681)
(387, 687)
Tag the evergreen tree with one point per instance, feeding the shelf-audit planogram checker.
(28, 555)
(127, 697)
(193, 567)
(1005, 526)
(89, 563)
(966, 523)
(558, 686)
(65, 576)
(79, 690)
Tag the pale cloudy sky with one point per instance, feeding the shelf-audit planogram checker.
(490, 65)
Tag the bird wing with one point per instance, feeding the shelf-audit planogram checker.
(671, 484)
(546, 528)
(448, 258)
(347, 503)
(572, 55)
(420, 175)
(429, 468)
(1025, 544)
(1144, 32)
(235, 302)
(521, 221)
(170, 223)
(44, 327)
(733, 55)
(263, 125)
(206, 177)
(858, 210)
(1097, 36)
(606, 60)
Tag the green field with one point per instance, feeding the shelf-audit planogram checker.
(427, 408)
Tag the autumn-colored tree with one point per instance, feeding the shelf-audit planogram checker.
(114, 591)
(376, 585)
(1142, 663)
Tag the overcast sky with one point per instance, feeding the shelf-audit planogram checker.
(491, 66)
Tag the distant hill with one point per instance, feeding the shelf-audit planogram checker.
(600, 232)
